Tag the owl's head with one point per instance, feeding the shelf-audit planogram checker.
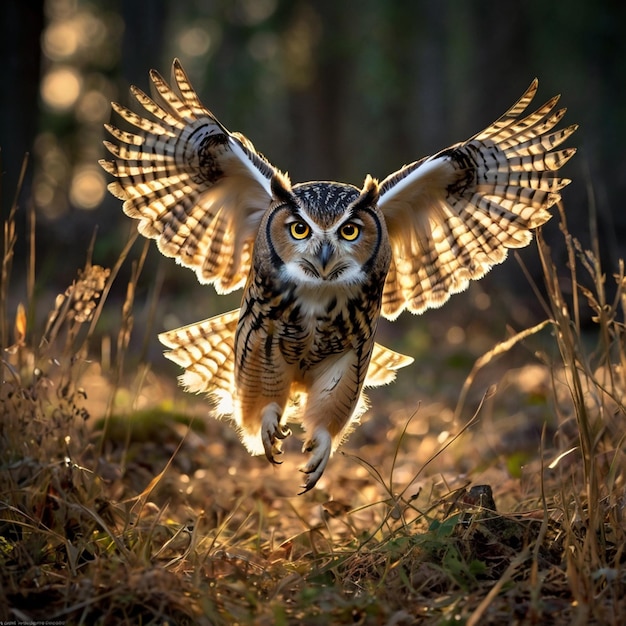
(324, 233)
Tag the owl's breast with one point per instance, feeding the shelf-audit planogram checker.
(294, 327)
(334, 322)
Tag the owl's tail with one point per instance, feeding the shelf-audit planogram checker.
(384, 365)
(206, 350)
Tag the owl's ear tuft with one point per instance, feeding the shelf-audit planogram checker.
(281, 187)
(369, 193)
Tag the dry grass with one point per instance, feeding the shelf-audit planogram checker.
(118, 506)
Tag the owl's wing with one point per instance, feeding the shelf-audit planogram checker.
(454, 215)
(196, 188)
(383, 366)
(206, 350)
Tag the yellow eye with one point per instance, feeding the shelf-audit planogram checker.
(349, 231)
(299, 230)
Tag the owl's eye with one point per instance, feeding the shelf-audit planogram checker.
(349, 231)
(299, 230)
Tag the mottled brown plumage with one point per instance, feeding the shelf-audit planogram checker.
(320, 261)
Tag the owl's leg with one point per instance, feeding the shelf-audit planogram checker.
(272, 431)
(319, 446)
(330, 409)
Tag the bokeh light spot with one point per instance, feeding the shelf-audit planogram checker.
(195, 41)
(60, 88)
(455, 335)
(256, 11)
(60, 40)
(87, 188)
(44, 193)
(482, 301)
(93, 107)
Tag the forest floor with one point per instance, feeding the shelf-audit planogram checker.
(486, 485)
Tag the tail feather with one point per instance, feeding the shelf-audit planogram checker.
(383, 366)
(206, 351)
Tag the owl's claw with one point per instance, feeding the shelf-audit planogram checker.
(272, 431)
(320, 446)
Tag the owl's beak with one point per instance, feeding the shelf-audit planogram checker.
(324, 255)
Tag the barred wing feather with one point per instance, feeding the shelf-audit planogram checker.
(454, 215)
(196, 188)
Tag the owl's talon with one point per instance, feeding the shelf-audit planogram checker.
(273, 454)
(272, 431)
(282, 432)
(320, 446)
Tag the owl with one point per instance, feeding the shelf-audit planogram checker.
(319, 262)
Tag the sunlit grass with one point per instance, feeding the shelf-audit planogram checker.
(115, 513)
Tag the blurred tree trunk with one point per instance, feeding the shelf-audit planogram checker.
(316, 99)
(144, 42)
(21, 28)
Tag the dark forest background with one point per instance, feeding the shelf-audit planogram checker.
(326, 89)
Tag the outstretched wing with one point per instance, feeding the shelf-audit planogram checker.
(196, 188)
(454, 215)
(206, 350)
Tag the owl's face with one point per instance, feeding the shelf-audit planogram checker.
(325, 235)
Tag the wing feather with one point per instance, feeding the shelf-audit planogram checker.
(197, 189)
(454, 215)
